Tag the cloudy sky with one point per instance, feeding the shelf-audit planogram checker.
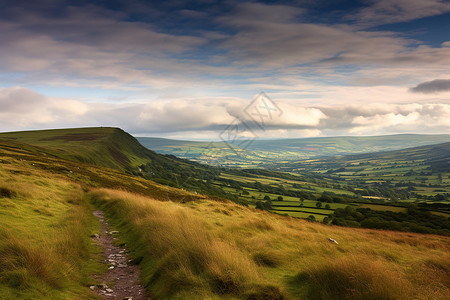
(187, 69)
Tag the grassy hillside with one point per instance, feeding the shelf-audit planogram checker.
(209, 249)
(106, 147)
(188, 245)
(46, 221)
(279, 150)
(45, 224)
(113, 148)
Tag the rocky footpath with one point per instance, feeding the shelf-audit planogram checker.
(121, 281)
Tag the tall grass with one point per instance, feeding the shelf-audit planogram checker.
(179, 256)
(44, 237)
(219, 249)
(356, 277)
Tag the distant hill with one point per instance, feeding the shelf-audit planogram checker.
(266, 151)
(435, 157)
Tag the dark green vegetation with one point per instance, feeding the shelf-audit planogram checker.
(413, 219)
(186, 244)
(283, 150)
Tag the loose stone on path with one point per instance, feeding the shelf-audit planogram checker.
(122, 276)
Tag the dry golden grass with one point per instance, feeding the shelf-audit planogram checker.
(220, 249)
(185, 253)
(44, 236)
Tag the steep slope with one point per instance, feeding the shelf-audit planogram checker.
(106, 147)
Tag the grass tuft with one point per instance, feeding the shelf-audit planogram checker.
(356, 277)
(6, 192)
(268, 259)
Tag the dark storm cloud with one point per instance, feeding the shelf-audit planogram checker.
(433, 86)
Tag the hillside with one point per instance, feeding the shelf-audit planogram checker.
(188, 245)
(113, 148)
(102, 146)
(267, 151)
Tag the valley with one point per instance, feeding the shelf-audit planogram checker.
(263, 152)
(387, 181)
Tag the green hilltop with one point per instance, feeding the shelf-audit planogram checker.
(104, 146)
(116, 149)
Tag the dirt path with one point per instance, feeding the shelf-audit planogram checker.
(121, 281)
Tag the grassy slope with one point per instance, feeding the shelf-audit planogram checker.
(201, 248)
(210, 249)
(106, 147)
(45, 225)
(46, 221)
(116, 149)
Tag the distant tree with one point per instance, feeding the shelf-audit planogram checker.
(280, 198)
(311, 218)
(260, 205)
(266, 205)
(325, 198)
(327, 206)
(266, 197)
(245, 192)
(318, 204)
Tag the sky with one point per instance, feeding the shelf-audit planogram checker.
(190, 69)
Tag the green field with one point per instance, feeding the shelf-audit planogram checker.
(394, 179)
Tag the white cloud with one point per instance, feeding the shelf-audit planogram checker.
(22, 108)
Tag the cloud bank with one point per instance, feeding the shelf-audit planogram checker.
(26, 109)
